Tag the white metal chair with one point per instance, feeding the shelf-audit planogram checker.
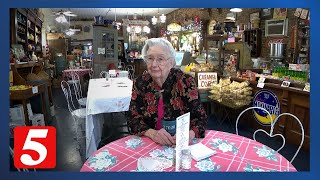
(104, 74)
(121, 66)
(91, 73)
(78, 90)
(73, 80)
(131, 71)
(12, 155)
(271, 134)
(77, 114)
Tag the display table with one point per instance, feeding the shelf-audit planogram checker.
(234, 153)
(104, 97)
(24, 95)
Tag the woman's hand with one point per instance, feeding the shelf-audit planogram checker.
(160, 136)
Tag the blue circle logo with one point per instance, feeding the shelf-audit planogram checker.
(268, 100)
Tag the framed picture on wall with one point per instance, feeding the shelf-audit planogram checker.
(254, 16)
(280, 13)
(266, 13)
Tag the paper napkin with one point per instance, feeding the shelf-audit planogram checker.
(200, 151)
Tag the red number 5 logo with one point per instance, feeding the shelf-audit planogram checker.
(34, 147)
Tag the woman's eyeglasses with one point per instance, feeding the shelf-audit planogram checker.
(160, 59)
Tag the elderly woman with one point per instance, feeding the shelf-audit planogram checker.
(163, 92)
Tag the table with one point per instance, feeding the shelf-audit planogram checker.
(234, 153)
(67, 73)
(104, 97)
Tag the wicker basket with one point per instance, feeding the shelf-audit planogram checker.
(43, 75)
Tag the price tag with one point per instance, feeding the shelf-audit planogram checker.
(35, 89)
(285, 84)
(260, 85)
(307, 87)
(261, 80)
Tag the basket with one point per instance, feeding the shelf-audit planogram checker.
(32, 77)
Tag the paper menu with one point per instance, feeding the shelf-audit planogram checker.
(182, 136)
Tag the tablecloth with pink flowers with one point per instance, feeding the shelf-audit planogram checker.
(234, 153)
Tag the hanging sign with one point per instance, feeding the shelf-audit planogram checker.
(268, 100)
(206, 79)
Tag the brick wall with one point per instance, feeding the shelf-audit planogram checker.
(185, 15)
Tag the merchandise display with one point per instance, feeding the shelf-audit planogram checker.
(233, 94)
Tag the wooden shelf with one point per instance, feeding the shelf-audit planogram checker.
(254, 39)
(27, 19)
(30, 64)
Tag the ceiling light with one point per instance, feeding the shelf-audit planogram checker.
(154, 20)
(69, 33)
(146, 29)
(61, 19)
(128, 29)
(231, 17)
(174, 27)
(163, 18)
(236, 10)
(137, 29)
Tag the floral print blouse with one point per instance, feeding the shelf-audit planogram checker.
(180, 96)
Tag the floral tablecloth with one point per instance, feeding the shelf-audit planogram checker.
(234, 153)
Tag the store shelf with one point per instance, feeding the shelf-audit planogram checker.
(26, 19)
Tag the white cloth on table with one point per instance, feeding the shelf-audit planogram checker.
(104, 96)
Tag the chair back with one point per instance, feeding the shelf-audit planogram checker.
(104, 74)
(301, 127)
(130, 67)
(271, 133)
(131, 71)
(91, 73)
(12, 155)
(67, 93)
(76, 85)
(121, 66)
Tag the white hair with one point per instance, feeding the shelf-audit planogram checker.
(165, 44)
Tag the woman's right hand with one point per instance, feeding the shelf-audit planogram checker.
(161, 136)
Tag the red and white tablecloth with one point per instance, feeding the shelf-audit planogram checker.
(81, 72)
(234, 153)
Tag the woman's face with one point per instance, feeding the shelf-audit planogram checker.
(158, 62)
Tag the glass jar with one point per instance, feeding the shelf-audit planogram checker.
(186, 159)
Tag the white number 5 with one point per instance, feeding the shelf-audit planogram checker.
(35, 146)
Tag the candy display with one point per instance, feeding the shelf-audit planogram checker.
(233, 94)
(203, 67)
